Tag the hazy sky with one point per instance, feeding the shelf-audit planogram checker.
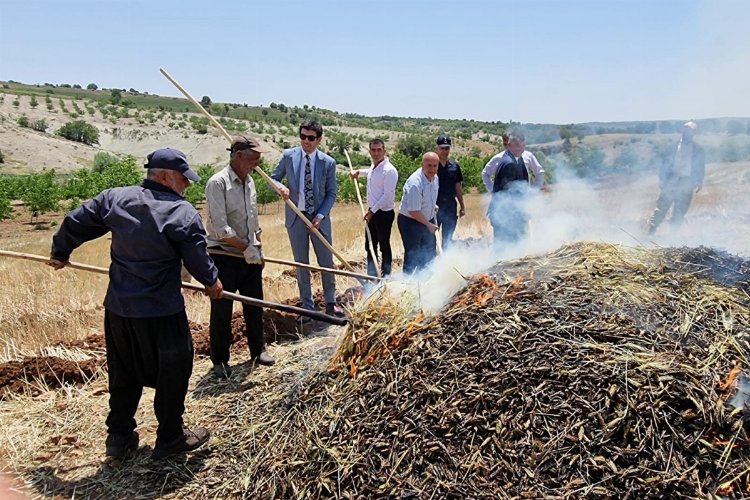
(529, 61)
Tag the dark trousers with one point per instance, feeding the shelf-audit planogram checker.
(419, 244)
(446, 219)
(380, 228)
(677, 197)
(509, 222)
(148, 352)
(236, 275)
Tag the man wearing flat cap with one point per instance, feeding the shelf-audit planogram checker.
(233, 227)
(154, 230)
(679, 179)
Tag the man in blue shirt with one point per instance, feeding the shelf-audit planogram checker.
(417, 215)
(451, 190)
(154, 230)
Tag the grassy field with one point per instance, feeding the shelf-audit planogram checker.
(39, 306)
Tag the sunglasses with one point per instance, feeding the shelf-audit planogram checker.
(310, 138)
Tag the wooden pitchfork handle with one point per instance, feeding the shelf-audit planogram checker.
(267, 177)
(190, 286)
(292, 263)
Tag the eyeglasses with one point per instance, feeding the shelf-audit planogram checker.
(444, 147)
(310, 138)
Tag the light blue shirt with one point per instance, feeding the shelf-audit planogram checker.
(313, 157)
(420, 194)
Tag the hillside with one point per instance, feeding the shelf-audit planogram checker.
(136, 123)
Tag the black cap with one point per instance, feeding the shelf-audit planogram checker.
(171, 159)
(444, 140)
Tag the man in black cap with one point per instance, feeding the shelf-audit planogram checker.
(154, 230)
(451, 189)
(233, 227)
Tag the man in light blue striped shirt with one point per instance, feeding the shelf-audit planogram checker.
(416, 215)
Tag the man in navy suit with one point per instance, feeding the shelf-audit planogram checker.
(311, 185)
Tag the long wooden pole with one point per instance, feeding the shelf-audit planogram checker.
(370, 247)
(300, 264)
(190, 286)
(267, 177)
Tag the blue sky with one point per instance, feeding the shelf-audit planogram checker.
(529, 61)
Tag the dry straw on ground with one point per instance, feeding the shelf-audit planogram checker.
(593, 371)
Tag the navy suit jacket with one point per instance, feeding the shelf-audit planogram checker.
(324, 182)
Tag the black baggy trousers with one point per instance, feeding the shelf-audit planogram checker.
(236, 275)
(148, 352)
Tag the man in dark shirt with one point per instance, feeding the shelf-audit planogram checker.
(154, 230)
(510, 183)
(450, 189)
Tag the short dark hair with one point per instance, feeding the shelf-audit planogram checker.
(377, 141)
(312, 125)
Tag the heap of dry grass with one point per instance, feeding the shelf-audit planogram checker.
(594, 371)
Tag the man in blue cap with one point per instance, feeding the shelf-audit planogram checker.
(154, 230)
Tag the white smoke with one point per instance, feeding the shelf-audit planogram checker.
(579, 210)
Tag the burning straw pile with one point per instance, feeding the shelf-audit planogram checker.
(595, 370)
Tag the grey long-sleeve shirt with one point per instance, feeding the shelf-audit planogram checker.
(154, 230)
(232, 210)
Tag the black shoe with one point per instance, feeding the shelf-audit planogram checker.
(188, 441)
(334, 310)
(222, 370)
(264, 359)
(118, 445)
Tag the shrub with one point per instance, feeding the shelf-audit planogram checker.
(196, 192)
(103, 160)
(266, 194)
(414, 146)
(85, 183)
(92, 86)
(41, 193)
(79, 131)
(33, 102)
(40, 125)
(23, 121)
(6, 212)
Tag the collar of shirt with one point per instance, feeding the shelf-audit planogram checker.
(311, 155)
(382, 162)
(233, 175)
(424, 177)
(155, 186)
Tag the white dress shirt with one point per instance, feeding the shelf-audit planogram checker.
(381, 185)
